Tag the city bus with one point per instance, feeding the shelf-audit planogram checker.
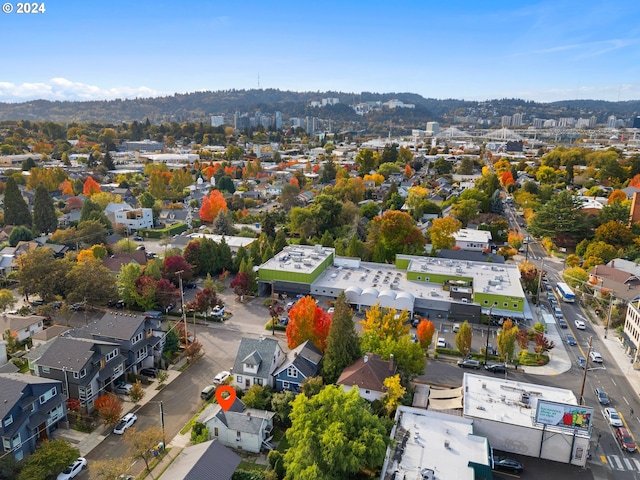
(565, 292)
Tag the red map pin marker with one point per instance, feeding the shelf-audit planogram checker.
(227, 400)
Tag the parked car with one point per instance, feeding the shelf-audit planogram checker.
(469, 363)
(582, 361)
(207, 392)
(580, 325)
(602, 396)
(562, 323)
(72, 470)
(456, 327)
(124, 388)
(442, 343)
(221, 377)
(138, 238)
(331, 310)
(149, 372)
(289, 305)
(571, 341)
(140, 247)
(77, 307)
(217, 311)
(495, 367)
(595, 357)
(612, 416)
(191, 285)
(506, 464)
(125, 422)
(625, 439)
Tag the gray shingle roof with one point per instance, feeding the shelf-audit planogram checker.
(122, 326)
(72, 353)
(265, 347)
(205, 461)
(12, 386)
(305, 357)
(246, 420)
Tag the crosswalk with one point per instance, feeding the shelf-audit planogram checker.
(623, 463)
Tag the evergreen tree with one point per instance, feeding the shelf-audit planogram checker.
(561, 219)
(241, 255)
(16, 211)
(44, 212)
(247, 267)
(269, 226)
(343, 344)
(107, 161)
(20, 234)
(222, 225)
(280, 241)
(496, 206)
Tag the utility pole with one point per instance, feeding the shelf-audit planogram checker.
(486, 347)
(584, 375)
(164, 442)
(184, 317)
(606, 328)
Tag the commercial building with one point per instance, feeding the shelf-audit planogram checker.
(428, 286)
(473, 240)
(432, 445)
(528, 419)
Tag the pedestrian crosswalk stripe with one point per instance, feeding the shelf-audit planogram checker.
(615, 462)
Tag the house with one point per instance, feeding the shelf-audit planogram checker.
(134, 219)
(623, 285)
(256, 361)
(85, 367)
(21, 327)
(239, 427)
(204, 461)
(31, 409)
(47, 334)
(368, 374)
(119, 259)
(299, 364)
(139, 336)
(473, 240)
(68, 219)
(169, 217)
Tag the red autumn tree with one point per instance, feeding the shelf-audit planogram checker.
(166, 293)
(307, 321)
(425, 331)
(635, 181)
(91, 187)
(240, 284)
(174, 264)
(212, 204)
(74, 203)
(109, 407)
(204, 301)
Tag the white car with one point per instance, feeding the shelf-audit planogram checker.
(72, 470)
(221, 377)
(611, 414)
(580, 325)
(595, 357)
(125, 422)
(442, 343)
(124, 388)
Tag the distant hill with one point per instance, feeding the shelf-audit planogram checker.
(198, 106)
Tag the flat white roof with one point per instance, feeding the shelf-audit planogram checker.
(443, 443)
(503, 279)
(298, 258)
(469, 235)
(500, 400)
(232, 241)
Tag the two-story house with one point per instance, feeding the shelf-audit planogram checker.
(134, 219)
(21, 328)
(239, 427)
(139, 336)
(256, 361)
(368, 375)
(85, 367)
(30, 410)
(299, 364)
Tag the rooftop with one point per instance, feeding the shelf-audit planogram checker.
(470, 235)
(444, 444)
(298, 258)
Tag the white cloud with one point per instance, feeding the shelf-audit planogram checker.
(63, 89)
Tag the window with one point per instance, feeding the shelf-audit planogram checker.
(215, 431)
(112, 354)
(238, 436)
(367, 392)
(486, 302)
(505, 304)
(515, 305)
(239, 378)
(8, 421)
(6, 443)
(16, 440)
(137, 338)
(45, 369)
(292, 372)
(81, 374)
(48, 395)
(285, 385)
(76, 375)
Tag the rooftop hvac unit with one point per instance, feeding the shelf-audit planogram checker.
(297, 265)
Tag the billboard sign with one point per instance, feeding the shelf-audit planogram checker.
(564, 415)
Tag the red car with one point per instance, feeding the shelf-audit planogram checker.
(625, 439)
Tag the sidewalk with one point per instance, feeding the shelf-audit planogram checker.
(86, 442)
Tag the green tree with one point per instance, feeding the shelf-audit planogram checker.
(140, 443)
(442, 166)
(171, 344)
(126, 283)
(44, 213)
(333, 436)
(343, 343)
(257, 397)
(16, 211)
(463, 338)
(561, 219)
(281, 405)
(102, 285)
(601, 250)
(7, 299)
(49, 459)
(20, 234)
(575, 277)
(507, 340)
(392, 233)
(465, 210)
(367, 161)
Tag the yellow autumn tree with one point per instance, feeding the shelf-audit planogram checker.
(393, 394)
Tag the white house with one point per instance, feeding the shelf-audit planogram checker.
(239, 427)
(368, 374)
(256, 362)
(21, 327)
(134, 219)
(473, 240)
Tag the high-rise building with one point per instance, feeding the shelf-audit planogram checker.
(433, 127)
(611, 121)
(506, 120)
(278, 120)
(516, 120)
(217, 120)
(311, 125)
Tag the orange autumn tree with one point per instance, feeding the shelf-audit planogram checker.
(635, 181)
(618, 195)
(307, 321)
(424, 332)
(66, 188)
(91, 187)
(212, 204)
(109, 407)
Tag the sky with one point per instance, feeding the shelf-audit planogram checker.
(473, 50)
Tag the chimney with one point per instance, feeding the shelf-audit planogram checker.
(613, 264)
(391, 363)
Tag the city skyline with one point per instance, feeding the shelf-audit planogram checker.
(542, 51)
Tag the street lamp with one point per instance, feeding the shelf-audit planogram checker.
(584, 375)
